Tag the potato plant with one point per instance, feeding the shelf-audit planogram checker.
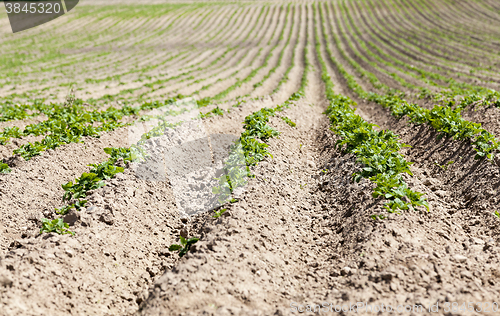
(377, 152)
(184, 247)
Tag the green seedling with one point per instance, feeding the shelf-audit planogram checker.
(105, 170)
(252, 145)
(496, 214)
(377, 217)
(216, 111)
(219, 213)
(70, 123)
(185, 245)
(288, 121)
(55, 226)
(91, 181)
(445, 166)
(376, 151)
(65, 209)
(87, 182)
(4, 168)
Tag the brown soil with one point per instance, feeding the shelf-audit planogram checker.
(300, 234)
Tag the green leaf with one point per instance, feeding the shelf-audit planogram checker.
(183, 252)
(57, 226)
(183, 241)
(4, 168)
(175, 247)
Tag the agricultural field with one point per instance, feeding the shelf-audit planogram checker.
(252, 158)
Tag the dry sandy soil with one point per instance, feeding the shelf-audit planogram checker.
(301, 233)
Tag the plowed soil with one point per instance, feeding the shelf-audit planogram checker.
(300, 238)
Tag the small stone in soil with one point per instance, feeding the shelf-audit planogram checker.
(460, 258)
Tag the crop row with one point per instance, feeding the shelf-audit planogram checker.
(185, 55)
(372, 10)
(450, 45)
(376, 151)
(432, 78)
(68, 124)
(252, 144)
(255, 71)
(123, 36)
(195, 79)
(444, 119)
(378, 41)
(101, 36)
(390, 61)
(11, 112)
(258, 84)
(185, 73)
(213, 63)
(453, 88)
(412, 48)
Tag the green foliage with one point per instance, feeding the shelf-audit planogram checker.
(288, 121)
(55, 226)
(10, 132)
(157, 131)
(256, 125)
(444, 119)
(98, 173)
(235, 173)
(184, 247)
(69, 124)
(78, 205)
(86, 182)
(252, 146)
(445, 166)
(4, 168)
(119, 153)
(10, 112)
(203, 102)
(216, 111)
(218, 213)
(377, 152)
(105, 170)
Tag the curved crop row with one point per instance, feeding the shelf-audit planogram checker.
(412, 48)
(444, 119)
(252, 144)
(71, 124)
(452, 89)
(376, 151)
